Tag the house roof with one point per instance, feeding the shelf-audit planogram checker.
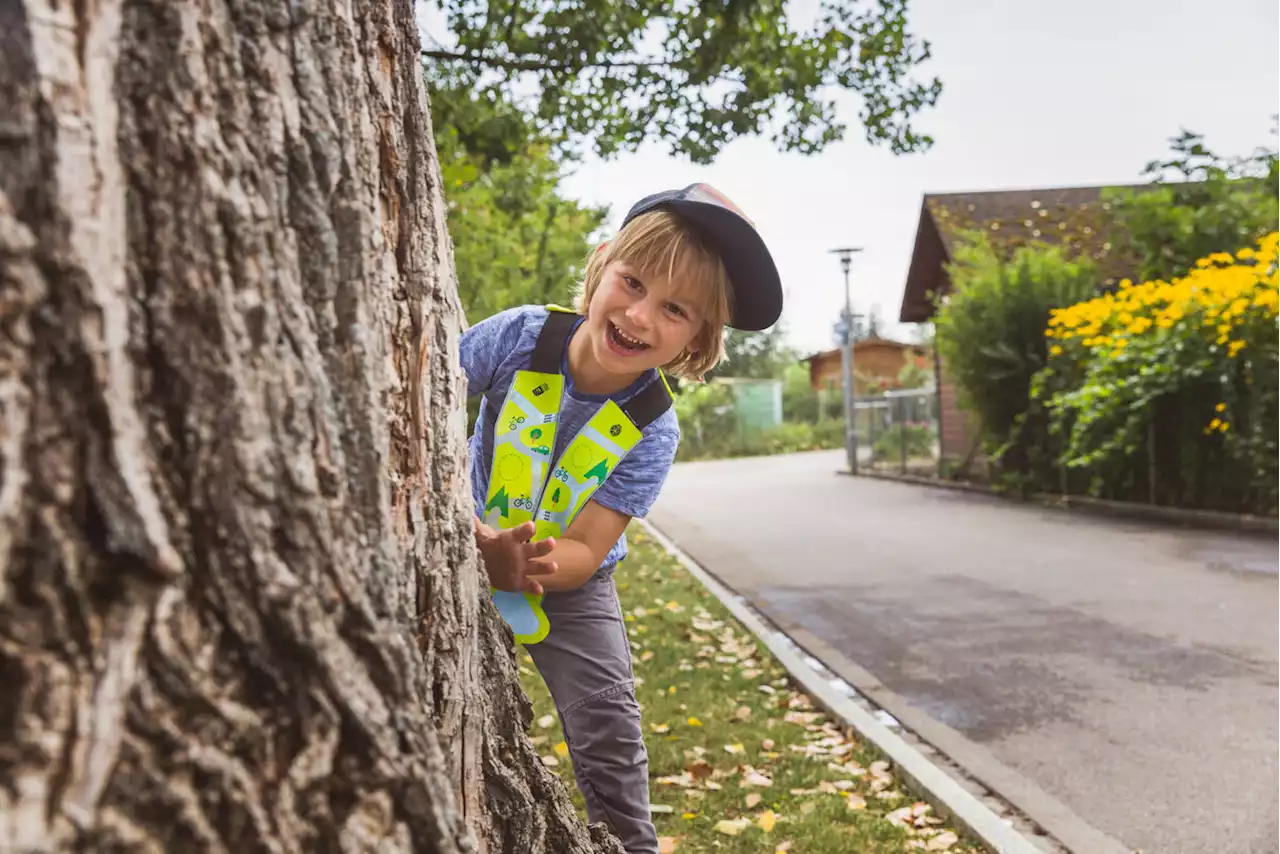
(1075, 217)
(863, 344)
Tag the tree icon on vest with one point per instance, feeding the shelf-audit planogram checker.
(599, 471)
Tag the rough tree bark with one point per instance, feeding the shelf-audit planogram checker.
(240, 608)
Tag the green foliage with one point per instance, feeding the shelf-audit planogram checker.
(1201, 203)
(799, 399)
(755, 355)
(918, 439)
(914, 375)
(802, 403)
(990, 334)
(786, 438)
(706, 414)
(694, 76)
(709, 423)
(517, 240)
(484, 124)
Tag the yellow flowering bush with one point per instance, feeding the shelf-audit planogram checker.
(1221, 295)
(1189, 364)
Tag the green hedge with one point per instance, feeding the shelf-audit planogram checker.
(786, 439)
(918, 439)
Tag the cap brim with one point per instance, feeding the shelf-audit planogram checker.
(757, 288)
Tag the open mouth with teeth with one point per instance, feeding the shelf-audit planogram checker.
(624, 343)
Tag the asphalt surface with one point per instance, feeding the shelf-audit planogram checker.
(1128, 670)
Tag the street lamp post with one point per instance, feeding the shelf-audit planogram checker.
(846, 360)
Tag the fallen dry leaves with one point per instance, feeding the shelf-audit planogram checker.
(732, 826)
(700, 769)
(942, 841)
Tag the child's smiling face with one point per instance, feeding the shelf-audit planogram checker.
(639, 320)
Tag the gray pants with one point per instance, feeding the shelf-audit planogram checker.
(586, 663)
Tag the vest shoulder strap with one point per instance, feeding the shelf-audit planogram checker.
(549, 348)
(648, 404)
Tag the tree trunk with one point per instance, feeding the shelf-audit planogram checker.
(240, 607)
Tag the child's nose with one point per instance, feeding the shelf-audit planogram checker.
(641, 312)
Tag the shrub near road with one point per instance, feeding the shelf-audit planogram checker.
(1180, 376)
(739, 760)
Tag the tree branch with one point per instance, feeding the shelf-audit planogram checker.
(529, 64)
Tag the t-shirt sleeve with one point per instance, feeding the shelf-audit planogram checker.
(484, 346)
(634, 485)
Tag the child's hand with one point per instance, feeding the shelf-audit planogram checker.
(514, 563)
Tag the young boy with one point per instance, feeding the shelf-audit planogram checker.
(685, 264)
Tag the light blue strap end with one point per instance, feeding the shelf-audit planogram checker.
(517, 611)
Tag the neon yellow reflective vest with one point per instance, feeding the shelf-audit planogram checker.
(525, 484)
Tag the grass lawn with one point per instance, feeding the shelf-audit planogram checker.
(739, 760)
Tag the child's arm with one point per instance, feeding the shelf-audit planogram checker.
(579, 553)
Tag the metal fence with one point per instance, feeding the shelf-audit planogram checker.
(898, 431)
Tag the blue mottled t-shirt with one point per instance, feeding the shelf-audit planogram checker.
(494, 349)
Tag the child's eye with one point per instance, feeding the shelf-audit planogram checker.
(632, 283)
(675, 309)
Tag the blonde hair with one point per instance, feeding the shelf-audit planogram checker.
(661, 243)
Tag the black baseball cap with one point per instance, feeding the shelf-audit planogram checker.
(757, 290)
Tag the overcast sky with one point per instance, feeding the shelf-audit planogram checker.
(1036, 94)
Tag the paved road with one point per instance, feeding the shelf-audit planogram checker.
(1128, 671)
